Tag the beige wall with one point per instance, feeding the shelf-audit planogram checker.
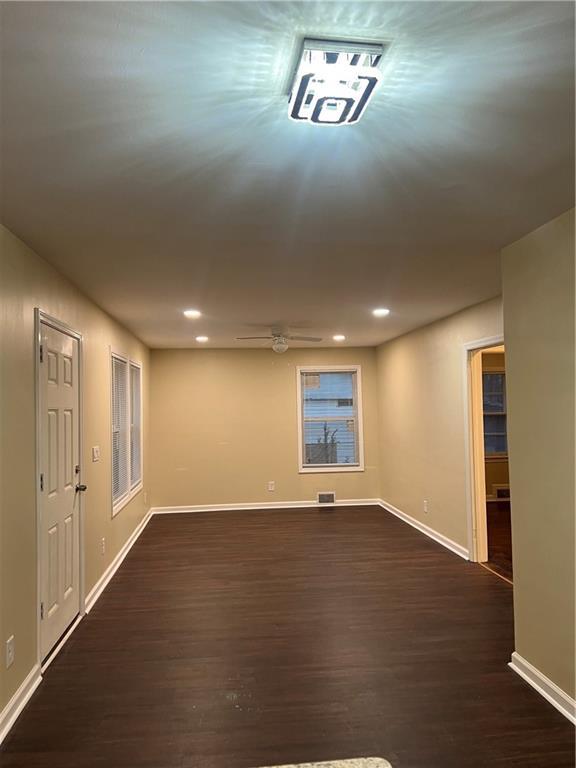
(224, 423)
(26, 282)
(493, 361)
(538, 282)
(422, 418)
(496, 473)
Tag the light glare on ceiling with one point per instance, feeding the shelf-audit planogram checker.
(380, 312)
(334, 81)
(339, 337)
(192, 314)
(202, 339)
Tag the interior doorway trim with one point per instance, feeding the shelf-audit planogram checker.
(476, 538)
(42, 318)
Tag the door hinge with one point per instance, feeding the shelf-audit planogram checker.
(41, 610)
(41, 353)
(42, 481)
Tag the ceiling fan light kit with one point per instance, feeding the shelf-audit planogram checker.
(280, 345)
(280, 340)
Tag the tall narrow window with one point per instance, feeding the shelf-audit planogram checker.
(126, 431)
(120, 448)
(330, 420)
(494, 399)
(135, 425)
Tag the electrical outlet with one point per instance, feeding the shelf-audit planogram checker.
(425, 506)
(271, 485)
(103, 546)
(95, 453)
(10, 651)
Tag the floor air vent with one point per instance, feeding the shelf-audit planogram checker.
(327, 498)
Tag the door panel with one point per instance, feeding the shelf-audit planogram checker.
(68, 555)
(52, 573)
(59, 501)
(69, 468)
(53, 453)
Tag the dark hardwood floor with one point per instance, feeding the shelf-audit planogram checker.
(499, 527)
(235, 640)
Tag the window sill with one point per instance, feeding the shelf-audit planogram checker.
(496, 457)
(334, 468)
(126, 499)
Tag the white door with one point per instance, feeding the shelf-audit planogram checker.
(59, 476)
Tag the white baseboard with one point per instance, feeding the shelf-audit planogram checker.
(453, 546)
(545, 687)
(18, 701)
(100, 585)
(256, 505)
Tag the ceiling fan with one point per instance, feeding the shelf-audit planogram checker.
(279, 339)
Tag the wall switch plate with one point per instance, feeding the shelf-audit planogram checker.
(103, 545)
(271, 485)
(96, 453)
(10, 651)
(425, 506)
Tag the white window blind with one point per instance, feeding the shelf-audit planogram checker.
(135, 425)
(119, 428)
(330, 420)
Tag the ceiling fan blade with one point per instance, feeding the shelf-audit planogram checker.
(252, 338)
(304, 338)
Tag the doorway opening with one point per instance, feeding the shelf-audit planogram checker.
(491, 524)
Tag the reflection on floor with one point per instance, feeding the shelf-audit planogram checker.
(361, 762)
(499, 538)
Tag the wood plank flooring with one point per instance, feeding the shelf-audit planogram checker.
(499, 529)
(244, 639)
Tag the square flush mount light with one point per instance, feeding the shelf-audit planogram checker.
(334, 81)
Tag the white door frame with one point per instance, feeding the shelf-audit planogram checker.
(475, 495)
(40, 318)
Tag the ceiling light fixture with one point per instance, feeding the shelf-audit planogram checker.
(280, 345)
(380, 312)
(192, 314)
(339, 337)
(334, 81)
(202, 339)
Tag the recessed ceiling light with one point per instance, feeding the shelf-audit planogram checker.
(334, 81)
(380, 312)
(192, 314)
(202, 339)
(339, 337)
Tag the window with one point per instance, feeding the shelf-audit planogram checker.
(330, 420)
(119, 429)
(494, 409)
(135, 425)
(126, 431)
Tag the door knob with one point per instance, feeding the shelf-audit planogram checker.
(81, 487)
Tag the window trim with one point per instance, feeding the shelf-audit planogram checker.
(307, 469)
(119, 504)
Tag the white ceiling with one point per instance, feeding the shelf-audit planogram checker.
(147, 153)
